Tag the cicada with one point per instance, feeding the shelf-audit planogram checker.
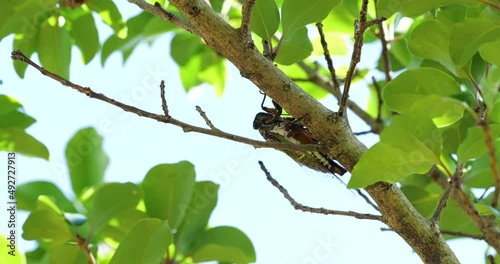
(275, 128)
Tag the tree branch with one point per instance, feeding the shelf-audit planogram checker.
(320, 210)
(441, 205)
(461, 234)
(489, 230)
(18, 55)
(158, 11)
(322, 81)
(493, 162)
(328, 58)
(245, 28)
(360, 27)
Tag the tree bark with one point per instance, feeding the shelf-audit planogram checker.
(325, 124)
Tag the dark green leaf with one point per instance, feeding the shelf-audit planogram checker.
(16, 119)
(16, 140)
(146, 242)
(23, 17)
(489, 52)
(224, 244)
(167, 191)
(421, 199)
(184, 46)
(86, 160)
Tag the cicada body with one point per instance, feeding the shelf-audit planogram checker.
(275, 128)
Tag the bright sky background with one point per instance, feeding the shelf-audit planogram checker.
(247, 200)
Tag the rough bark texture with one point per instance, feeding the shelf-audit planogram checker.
(397, 211)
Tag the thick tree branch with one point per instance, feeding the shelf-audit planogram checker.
(18, 55)
(320, 210)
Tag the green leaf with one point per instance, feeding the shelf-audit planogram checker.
(295, 48)
(483, 209)
(455, 219)
(265, 18)
(197, 215)
(23, 17)
(489, 52)
(110, 199)
(86, 160)
(425, 92)
(27, 43)
(11, 254)
(16, 119)
(223, 244)
(495, 112)
(214, 72)
(406, 146)
(54, 47)
(27, 195)
(421, 199)
(84, 33)
(167, 191)
(430, 40)
(37, 256)
(455, 134)
(490, 88)
(184, 46)
(297, 14)
(474, 144)
(8, 104)
(109, 14)
(47, 226)
(67, 253)
(336, 44)
(467, 36)
(16, 140)
(480, 175)
(387, 8)
(147, 242)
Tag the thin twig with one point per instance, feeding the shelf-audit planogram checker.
(367, 199)
(386, 58)
(158, 11)
(83, 245)
(360, 26)
(245, 29)
(462, 199)
(378, 89)
(324, 82)
(491, 259)
(493, 162)
(496, 6)
(164, 105)
(320, 210)
(441, 205)
(328, 58)
(461, 234)
(18, 55)
(207, 120)
(363, 132)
